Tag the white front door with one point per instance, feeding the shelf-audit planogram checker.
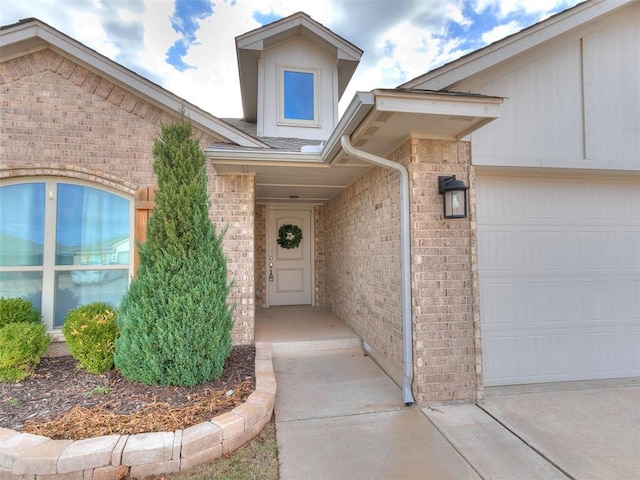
(289, 272)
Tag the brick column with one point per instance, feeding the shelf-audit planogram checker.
(233, 207)
(444, 278)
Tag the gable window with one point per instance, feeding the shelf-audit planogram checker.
(298, 92)
(63, 245)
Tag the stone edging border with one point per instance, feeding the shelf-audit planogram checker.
(34, 457)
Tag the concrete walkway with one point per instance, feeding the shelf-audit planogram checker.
(339, 416)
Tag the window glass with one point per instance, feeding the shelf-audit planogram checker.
(63, 254)
(22, 224)
(80, 287)
(27, 285)
(298, 95)
(92, 227)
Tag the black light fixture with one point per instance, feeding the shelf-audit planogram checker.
(454, 195)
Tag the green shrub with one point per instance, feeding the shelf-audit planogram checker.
(21, 346)
(17, 310)
(90, 331)
(175, 321)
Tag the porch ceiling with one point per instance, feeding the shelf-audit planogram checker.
(377, 122)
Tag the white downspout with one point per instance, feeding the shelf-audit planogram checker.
(405, 240)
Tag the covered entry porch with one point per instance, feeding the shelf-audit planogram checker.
(303, 329)
(381, 257)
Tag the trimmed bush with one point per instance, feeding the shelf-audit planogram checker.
(17, 310)
(90, 331)
(175, 322)
(21, 346)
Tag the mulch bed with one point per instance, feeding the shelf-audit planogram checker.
(61, 401)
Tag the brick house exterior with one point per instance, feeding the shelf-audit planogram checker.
(70, 113)
(61, 120)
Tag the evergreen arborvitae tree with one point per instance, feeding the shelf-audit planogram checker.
(175, 323)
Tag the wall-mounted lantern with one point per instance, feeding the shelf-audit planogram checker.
(454, 195)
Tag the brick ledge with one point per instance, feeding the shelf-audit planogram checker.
(35, 457)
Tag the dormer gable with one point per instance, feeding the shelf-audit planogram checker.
(293, 73)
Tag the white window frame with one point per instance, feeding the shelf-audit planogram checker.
(49, 267)
(316, 122)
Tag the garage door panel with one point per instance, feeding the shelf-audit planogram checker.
(501, 359)
(607, 353)
(634, 305)
(602, 300)
(636, 351)
(514, 303)
(559, 278)
(632, 250)
(501, 303)
(498, 252)
(596, 201)
(542, 357)
(601, 250)
(539, 250)
(547, 356)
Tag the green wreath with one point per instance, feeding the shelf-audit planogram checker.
(289, 236)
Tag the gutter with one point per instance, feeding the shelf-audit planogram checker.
(405, 240)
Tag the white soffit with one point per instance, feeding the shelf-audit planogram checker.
(399, 115)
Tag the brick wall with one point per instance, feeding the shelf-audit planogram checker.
(233, 199)
(59, 119)
(362, 261)
(444, 279)
(362, 246)
(260, 252)
(319, 255)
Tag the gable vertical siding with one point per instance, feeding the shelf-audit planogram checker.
(571, 102)
(612, 92)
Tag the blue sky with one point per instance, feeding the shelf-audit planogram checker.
(188, 46)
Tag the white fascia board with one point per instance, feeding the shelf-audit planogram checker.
(18, 33)
(128, 80)
(255, 40)
(360, 106)
(451, 73)
(437, 104)
(268, 157)
(248, 44)
(345, 49)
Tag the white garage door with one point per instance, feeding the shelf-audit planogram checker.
(559, 263)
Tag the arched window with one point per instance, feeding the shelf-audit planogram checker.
(63, 245)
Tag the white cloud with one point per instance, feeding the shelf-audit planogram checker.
(505, 8)
(88, 26)
(501, 31)
(454, 13)
(401, 39)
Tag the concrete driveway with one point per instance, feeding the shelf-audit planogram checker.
(577, 430)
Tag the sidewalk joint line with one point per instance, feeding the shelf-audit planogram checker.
(540, 453)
